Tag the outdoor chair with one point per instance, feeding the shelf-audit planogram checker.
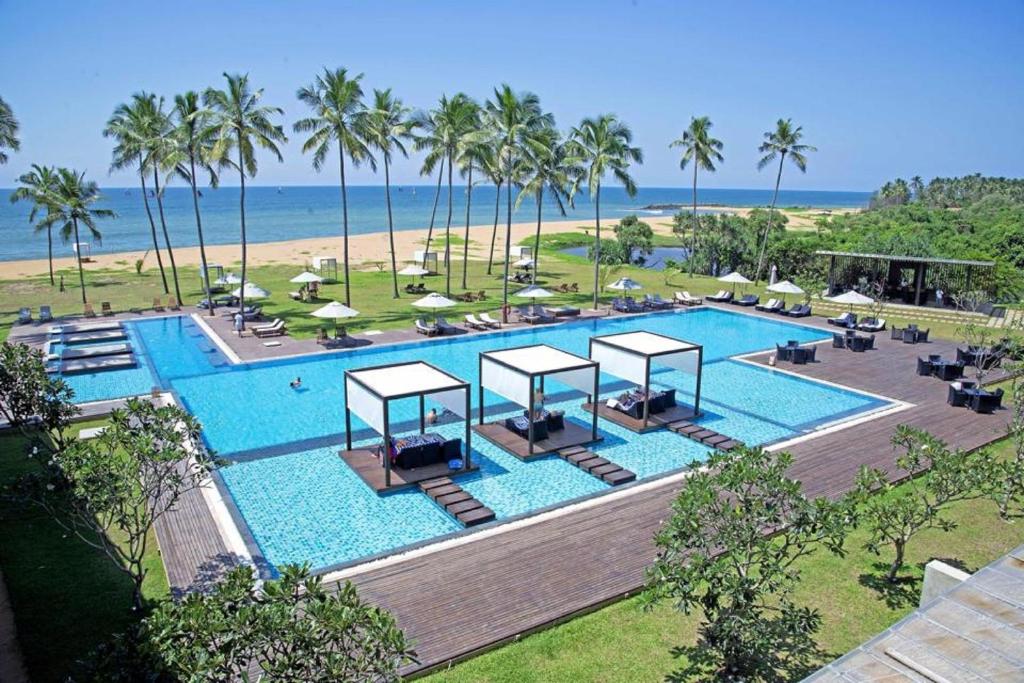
(838, 340)
(871, 325)
(424, 328)
(909, 336)
(105, 308)
(542, 315)
(958, 396)
(275, 329)
(172, 304)
(896, 333)
(747, 300)
(769, 306)
(985, 402)
(845, 320)
(486, 318)
(526, 316)
(322, 336)
(24, 316)
(798, 311)
(45, 314)
(687, 299)
(783, 352)
(804, 354)
(446, 327)
(157, 304)
(521, 426)
(922, 336)
(88, 311)
(949, 371)
(924, 367)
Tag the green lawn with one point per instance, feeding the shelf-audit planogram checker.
(622, 642)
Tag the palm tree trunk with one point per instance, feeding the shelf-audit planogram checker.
(391, 228)
(693, 236)
(448, 236)
(597, 244)
(167, 237)
(771, 214)
(49, 251)
(199, 231)
(241, 209)
(152, 227)
(508, 245)
(433, 213)
(344, 221)
(465, 245)
(494, 231)
(536, 237)
(78, 257)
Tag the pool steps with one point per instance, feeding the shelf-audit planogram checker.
(593, 464)
(701, 434)
(457, 502)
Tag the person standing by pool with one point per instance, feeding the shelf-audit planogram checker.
(432, 416)
(238, 324)
(538, 404)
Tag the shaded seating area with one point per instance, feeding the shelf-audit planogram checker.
(521, 375)
(796, 354)
(910, 334)
(402, 461)
(630, 356)
(936, 366)
(983, 357)
(966, 394)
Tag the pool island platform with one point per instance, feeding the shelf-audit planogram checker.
(655, 421)
(366, 463)
(572, 435)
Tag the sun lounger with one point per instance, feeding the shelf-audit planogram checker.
(723, 296)
(771, 306)
(157, 305)
(424, 328)
(845, 320)
(871, 325)
(89, 312)
(562, 311)
(45, 314)
(475, 324)
(656, 302)
(687, 299)
(526, 316)
(542, 315)
(24, 316)
(446, 327)
(105, 308)
(252, 312)
(275, 329)
(486, 318)
(748, 300)
(798, 311)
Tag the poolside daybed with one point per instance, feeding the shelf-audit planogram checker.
(798, 311)
(723, 296)
(746, 300)
(686, 299)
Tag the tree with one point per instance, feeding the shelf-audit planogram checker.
(635, 238)
(8, 131)
(491, 165)
(111, 490)
(1007, 483)
(703, 151)
(131, 126)
(603, 145)
(729, 550)
(194, 150)
(289, 629)
(473, 148)
(241, 123)
(339, 116)
(546, 166)
(162, 152)
(779, 143)
(32, 400)
(37, 186)
(388, 126)
(893, 516)
(73, 198)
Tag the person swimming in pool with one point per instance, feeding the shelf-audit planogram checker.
(295, 383)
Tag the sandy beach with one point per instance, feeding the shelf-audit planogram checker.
(364, 250)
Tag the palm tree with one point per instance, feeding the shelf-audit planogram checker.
(917, 186)
(490, 165)
(131, 126)
(472, 148)
(8, 131)
(71, 205)
(546, 166)
(703, 150)
(388, 126)
(242, 123)
(603, 145)
(782, 142)
(39, 187)
(339, 116)
(435, 158)
(194, 137)
(160, 146)
(512, 116)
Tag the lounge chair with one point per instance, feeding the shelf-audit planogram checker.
(252, 312)
(474, 323)
(45, 314)
(798, 311)
(526, 316)
(542, 315)
(562, 311)
(632, 306)
(924, 367)
(655, 302)
(574, 287)
(772, 306)
(985, 402)
(423, 328)
(488, 320)
(322, 337)
(871, 325)
(446, 327)
(838, 340)
(747, 300)
(619, 305)
(105, 308)
(848, 320)
(89, 312)
(687, 299)
(297, 296)
(958, 396)
(157, 304)
(24, 316)
(722, 297)
(275, 329)
(172, 304)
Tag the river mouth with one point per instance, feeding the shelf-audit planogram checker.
(653, 261)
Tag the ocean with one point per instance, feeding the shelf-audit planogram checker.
(295, 212)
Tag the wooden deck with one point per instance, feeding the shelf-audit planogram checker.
(654, 420)
(523, 579)
(572, 435)
(367, 465)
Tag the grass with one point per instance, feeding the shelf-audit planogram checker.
(67, 597)
(623, 642)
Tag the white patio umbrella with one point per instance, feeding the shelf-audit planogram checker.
(625, 284)
(434, 301)
(306, 277)
(533, 292)
(524, 263)
(734, 278)
(785, 287)
(229, 279)
(414, 271)
(252, 291)
(852, 298)
(335, 310)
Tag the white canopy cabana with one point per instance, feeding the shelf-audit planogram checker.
(369, 392)
(630, 355)
(426, 259)
(513, 374)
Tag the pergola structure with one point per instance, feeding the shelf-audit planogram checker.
(426, 259)
(517, 374)
(630, 356)
(909, 279)
(326, 267)
(369, 393)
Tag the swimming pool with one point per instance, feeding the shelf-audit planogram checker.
(301, 503)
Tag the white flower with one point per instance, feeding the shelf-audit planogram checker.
(49, 487)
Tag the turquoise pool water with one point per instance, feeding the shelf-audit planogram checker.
(301, 503)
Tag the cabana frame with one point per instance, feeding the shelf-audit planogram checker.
(385, 399)
(583, 364)
(606, 340)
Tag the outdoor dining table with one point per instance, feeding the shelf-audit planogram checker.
(947, 370)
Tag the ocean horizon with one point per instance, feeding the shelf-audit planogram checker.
(298, 211)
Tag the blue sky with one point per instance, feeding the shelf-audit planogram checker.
(881, 88)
